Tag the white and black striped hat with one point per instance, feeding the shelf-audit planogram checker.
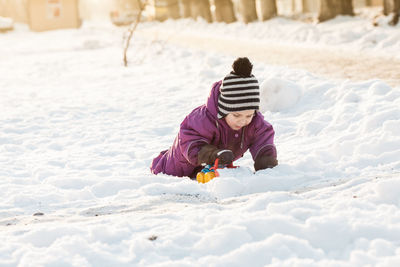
(238, 93)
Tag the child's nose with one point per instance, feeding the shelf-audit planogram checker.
(246, 122)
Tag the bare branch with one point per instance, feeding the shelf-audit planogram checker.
(133, 28)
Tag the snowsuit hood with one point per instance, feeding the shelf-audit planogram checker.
(212, 100)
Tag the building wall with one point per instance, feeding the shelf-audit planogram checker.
(15, 9)
(92, 10)
(53, 14)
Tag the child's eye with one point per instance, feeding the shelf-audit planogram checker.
(236, 115)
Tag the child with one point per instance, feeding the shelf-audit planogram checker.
(224, 128)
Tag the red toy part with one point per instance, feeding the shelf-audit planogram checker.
(215, 167)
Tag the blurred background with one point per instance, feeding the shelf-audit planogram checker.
(43, 15)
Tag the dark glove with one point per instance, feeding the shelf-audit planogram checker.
(225, 157)
(265, 162)
(209, 153)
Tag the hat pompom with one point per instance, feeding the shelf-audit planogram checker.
(242, 67)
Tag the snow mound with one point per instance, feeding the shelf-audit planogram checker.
(386, 191)
(278, 94)
(6, 24)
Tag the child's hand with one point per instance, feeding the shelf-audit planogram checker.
(209, 153)
(225, 157)
(264, 162)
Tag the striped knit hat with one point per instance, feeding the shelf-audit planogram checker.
(239, 90)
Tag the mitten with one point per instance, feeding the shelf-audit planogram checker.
(265, 162)
(225, 157)
(209, 153)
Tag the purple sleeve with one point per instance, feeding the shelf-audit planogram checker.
(196, 131)
(263, 141)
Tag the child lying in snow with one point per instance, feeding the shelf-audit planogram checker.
(224, 128)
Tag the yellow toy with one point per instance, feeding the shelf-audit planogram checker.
(206, 174)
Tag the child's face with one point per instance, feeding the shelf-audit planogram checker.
(238, 119)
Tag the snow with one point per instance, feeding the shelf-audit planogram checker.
(78, 132)
(6, 24)
(279, 94)
(342, 33)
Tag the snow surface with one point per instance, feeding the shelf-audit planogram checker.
(6, 23)
(342, 33)
(78, 132)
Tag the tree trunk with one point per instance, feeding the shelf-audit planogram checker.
(268, 9)
(397, 6)
(387, 7)
(331, 8)
(248, 10)
(327, 10)
(396, 13)
(346, 7)
(166, 9)
(173, 9)
(305, 6)
(297, 6)
(186, 8)
(201, 8)
(391, 6)
(224, 11)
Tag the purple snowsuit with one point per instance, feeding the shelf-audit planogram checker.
(202, 127)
